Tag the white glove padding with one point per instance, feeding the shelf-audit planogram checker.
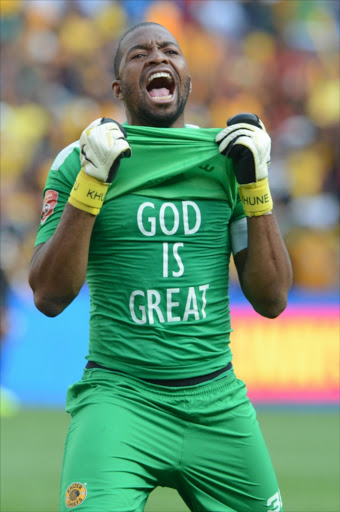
(102, 146)
(249, 147)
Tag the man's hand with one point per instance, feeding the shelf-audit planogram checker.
(247, 143)
(102, 146)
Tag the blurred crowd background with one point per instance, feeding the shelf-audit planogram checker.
(276, 58)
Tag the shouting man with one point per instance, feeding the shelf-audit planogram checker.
(149, 213)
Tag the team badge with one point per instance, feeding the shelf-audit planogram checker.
(75, 494)
(50, 201)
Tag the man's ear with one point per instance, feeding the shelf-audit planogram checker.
(190, 87)
(117, 91)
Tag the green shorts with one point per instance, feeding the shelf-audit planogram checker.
(127, 436)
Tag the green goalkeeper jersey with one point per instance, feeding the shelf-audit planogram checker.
(159, 253)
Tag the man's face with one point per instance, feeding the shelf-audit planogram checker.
(154, 80)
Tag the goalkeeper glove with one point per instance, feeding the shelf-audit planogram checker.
(102, 146)
(247, 143)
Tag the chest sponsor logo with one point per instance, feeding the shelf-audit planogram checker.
(207, 167)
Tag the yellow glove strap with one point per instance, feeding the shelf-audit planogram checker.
(256, 198)
(88, 193)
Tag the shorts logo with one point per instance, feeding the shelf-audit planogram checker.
(75, 494)
(50, 201)
(275, 503)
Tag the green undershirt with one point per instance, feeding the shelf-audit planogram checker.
(159, 253)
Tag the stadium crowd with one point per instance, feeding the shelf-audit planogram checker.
(276, 58)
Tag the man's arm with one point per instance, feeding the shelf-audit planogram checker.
(264, 268)
(58, 268)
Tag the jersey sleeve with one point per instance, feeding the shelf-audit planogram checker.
(238, 212)
(59, 183)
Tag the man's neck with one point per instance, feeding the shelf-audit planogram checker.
(157, 123)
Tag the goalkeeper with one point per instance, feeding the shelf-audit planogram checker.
(149, 214)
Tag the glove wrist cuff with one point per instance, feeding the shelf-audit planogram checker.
(256, 198)
(88, 193)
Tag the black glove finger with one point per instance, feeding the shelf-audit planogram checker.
(245, 117)
(108, 120)
(244, 165)
(115, 166)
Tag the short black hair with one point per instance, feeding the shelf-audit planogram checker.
(118, 55)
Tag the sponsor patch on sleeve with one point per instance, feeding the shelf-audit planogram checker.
(50, 201)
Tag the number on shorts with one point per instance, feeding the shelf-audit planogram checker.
(275, 502)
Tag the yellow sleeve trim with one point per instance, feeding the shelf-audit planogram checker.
(88, 193)
(256, 198)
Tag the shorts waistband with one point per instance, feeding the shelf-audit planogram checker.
(191, 381)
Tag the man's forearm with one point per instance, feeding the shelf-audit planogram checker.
(267, 273)
(58, 267)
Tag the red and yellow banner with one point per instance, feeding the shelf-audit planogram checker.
(292, 358)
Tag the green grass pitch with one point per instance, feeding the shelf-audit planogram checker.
(304, 445)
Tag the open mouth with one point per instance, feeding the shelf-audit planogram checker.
(160, 86)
